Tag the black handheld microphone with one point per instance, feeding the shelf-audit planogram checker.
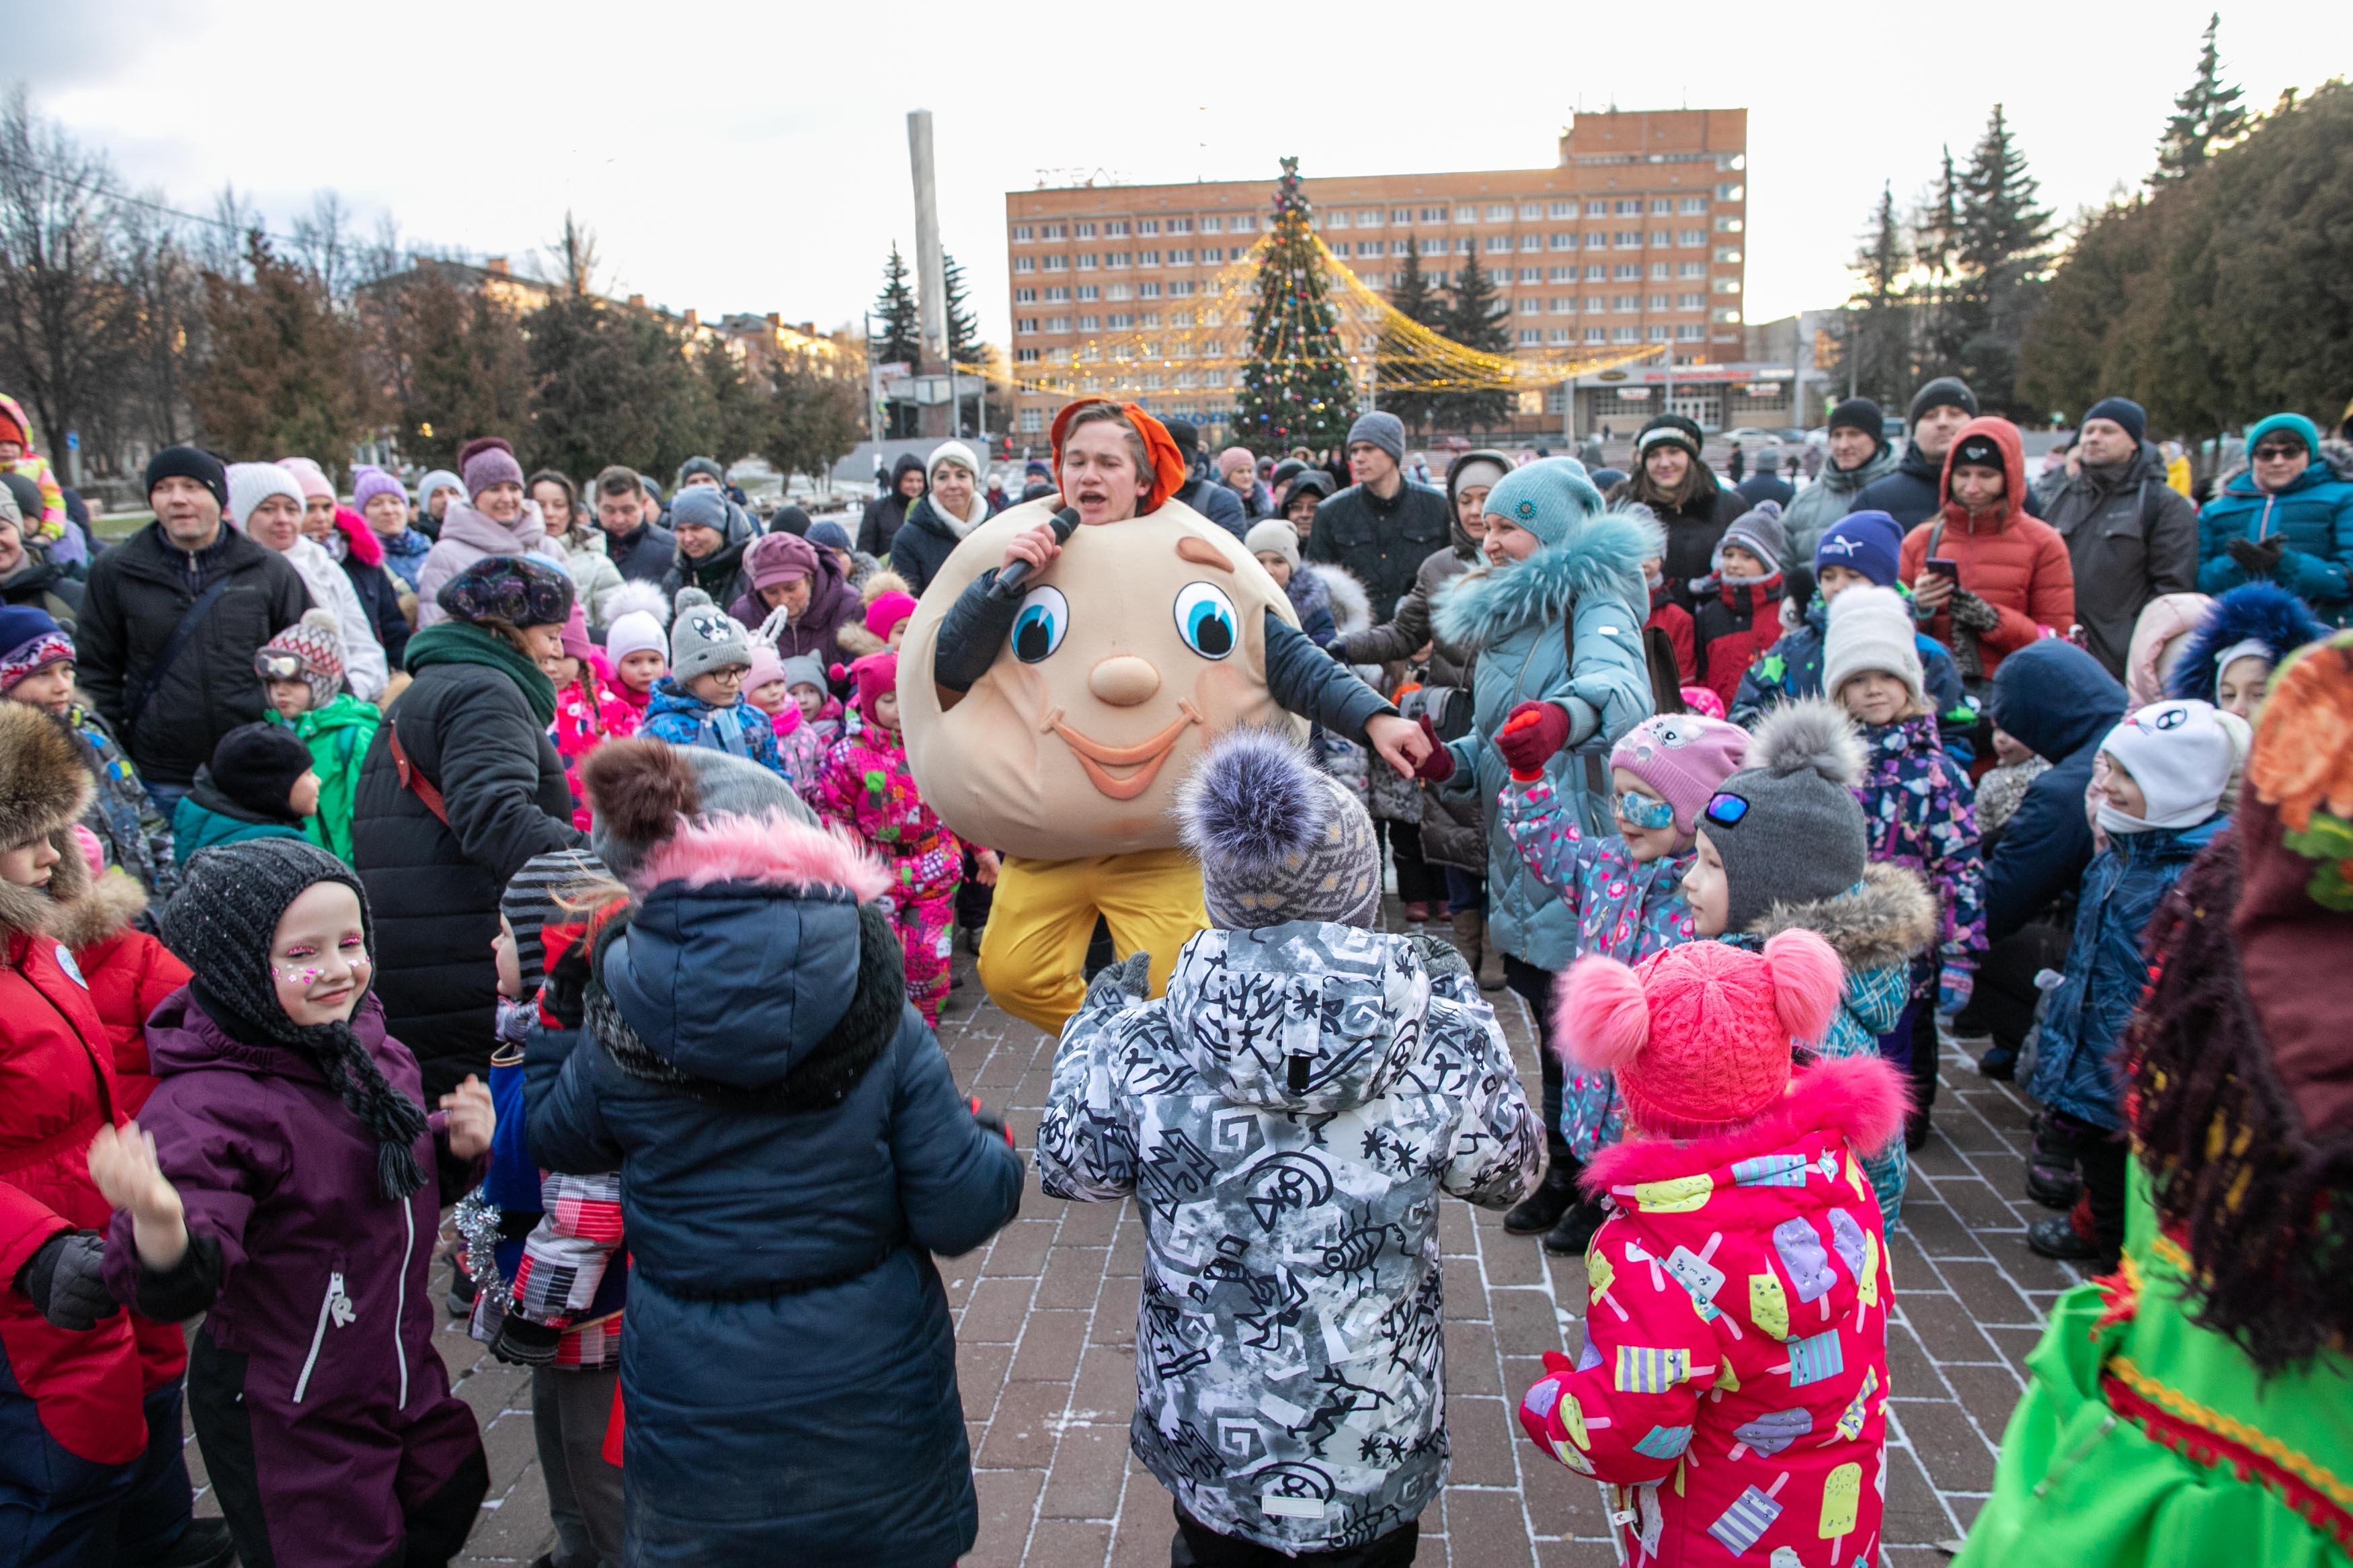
(1008, 581)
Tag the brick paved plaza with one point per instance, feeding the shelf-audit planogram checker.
(1046, 1331)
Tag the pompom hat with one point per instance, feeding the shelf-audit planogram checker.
(486, 460)
(1279, 839)
(313, 649)
(1788, 827)
(1700, 1033)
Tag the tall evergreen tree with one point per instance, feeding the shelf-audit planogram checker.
(613, 387)
(900, 339)
(2004, 248)
(1936, 242)
(1475, 318)
(1296, 390)
(2207, 113)
(965, 346)
(280, 366)
(1878, 341)
(455, 360)
(1412, 297)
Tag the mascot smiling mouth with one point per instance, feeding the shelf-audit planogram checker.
(1145, 756)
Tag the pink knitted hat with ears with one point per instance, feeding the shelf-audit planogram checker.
(1684, 757)
(1699, 1034)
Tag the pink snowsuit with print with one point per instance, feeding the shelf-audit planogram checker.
(589, 713)
(1733, 1391)
(865, 786)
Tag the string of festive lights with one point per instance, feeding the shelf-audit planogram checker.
(1210, 339)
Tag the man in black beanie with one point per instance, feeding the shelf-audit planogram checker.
(172, 618)
(1859, 456)
(2130, 535)
(1915, 491)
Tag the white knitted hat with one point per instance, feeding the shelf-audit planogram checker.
(1871, 628)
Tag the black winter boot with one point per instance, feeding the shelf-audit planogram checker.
(1542, 1209)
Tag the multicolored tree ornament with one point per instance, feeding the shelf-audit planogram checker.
(1296, 388)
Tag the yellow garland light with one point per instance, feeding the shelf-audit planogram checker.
(1411, 356)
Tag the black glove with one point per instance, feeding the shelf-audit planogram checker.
(522, 1343)
(2260, 558)
(992, 1122)
(1971, 614)
(62, 1279)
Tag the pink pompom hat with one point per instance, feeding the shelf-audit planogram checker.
(1699, 1035)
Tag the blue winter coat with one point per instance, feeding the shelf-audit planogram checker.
(792, 1151)
(677, 716)
(1515, 617)
(2315, 514)
(2061, 703)
(2105, 970)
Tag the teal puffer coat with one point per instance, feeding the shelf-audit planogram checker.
(1516, 616)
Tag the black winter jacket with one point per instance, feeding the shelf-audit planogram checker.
(1381, 543)
(433, 887)
(645, 556)
(922, 545)
(2130, 537)
(1692, 529)
(379, 595)
(887, 512)
(137, 593)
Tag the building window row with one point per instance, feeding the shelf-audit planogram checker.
(1143, 228)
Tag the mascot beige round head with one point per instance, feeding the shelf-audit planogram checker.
(1141, 639)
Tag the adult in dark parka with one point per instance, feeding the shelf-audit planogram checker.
(793, 1151)
(473, 727)
(888, 511)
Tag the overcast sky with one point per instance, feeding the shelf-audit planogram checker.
(754, 157)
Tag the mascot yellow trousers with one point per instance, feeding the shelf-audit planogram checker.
(1033, 958)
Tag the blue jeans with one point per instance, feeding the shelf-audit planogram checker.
(167, 797)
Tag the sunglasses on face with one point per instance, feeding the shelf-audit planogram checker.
(1727, 810)
(1644, 811)
(2268, 453)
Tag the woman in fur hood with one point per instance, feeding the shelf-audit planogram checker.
(1554, 613)
(1782, 845)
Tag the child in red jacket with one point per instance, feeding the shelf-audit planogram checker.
(1733, 1382)
(127, 970)
(90, 1457)
(1736, 609)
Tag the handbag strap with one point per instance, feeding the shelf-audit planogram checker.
(412, 778)
(174, 647)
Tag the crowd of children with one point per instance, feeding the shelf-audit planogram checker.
(711, 1116)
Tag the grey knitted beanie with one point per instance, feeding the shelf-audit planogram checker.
(1788, 827)
(704, 638)
(1277, 838)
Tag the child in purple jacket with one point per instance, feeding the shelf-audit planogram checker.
(1918, 813)
(1626, 890)
(285, 1187)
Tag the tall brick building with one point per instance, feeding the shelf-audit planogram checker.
(1635, 237)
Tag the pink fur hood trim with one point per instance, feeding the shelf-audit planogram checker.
(1862, 1099)
(358, 537)
(775, 849)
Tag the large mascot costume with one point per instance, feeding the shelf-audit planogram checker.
(1140, 640)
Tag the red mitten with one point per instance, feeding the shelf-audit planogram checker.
(1438, 766)
(1531, 733)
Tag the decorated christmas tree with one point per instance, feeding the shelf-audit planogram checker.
(1297, 389)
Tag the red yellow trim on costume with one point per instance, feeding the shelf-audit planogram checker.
(2208, 1438)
